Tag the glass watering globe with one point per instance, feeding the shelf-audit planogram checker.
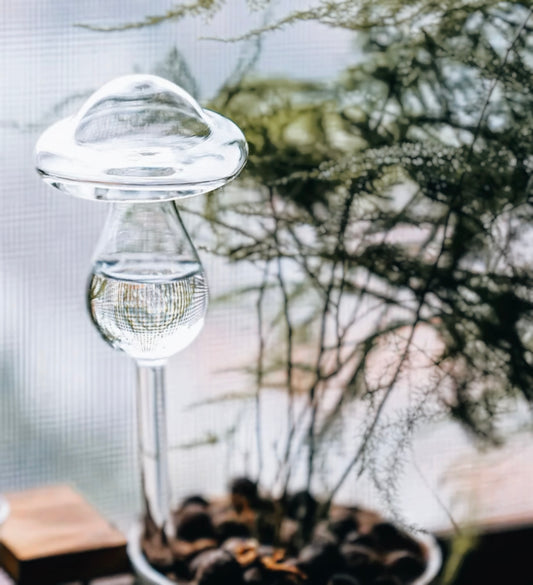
(141, 143)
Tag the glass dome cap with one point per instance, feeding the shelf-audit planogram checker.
(140, 138)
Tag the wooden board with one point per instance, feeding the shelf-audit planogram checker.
(53, 535)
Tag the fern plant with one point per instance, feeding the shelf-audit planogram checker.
(395, 206)
(389, 215)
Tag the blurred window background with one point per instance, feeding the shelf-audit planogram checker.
(67, 400)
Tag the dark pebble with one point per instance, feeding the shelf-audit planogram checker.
(216, 567)
(323, 535)
(281, 577)
(244, 487)
(243, 493)
(343, 579)
(301, 506)
(405, 565)
(231, 528)
(388, 537)
(182, 569)
(343, 526)
(289, 534)
(352, 536)
(265, 526)
(320, 561)
(262, 576)
(160, 557)
(361, 562)
(266, 550)
(196, 500)
(361, 539)
(265, 505)
(253, 576)
(234, 544)
(193, 523)
(387, 580)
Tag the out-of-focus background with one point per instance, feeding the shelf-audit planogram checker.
(67, 400)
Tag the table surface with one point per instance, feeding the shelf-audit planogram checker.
(52, 535)
(121, 580)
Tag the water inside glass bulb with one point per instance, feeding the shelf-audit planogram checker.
(147, 292)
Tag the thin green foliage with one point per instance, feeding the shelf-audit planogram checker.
(398, 199)
(388, 213)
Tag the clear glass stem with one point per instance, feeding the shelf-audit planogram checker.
(151, 413)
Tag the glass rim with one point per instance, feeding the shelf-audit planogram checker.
(120, 147)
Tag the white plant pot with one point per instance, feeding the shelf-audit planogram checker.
(147, 575)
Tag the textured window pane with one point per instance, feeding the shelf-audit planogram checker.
(67, 401)
(67, 408)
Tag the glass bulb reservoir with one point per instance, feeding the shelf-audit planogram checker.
(147, 292)
(148, 317)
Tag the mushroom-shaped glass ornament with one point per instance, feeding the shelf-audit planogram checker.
(141, 143)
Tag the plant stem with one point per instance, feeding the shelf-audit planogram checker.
(260, 371)
(153, 451)
(286, 469)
